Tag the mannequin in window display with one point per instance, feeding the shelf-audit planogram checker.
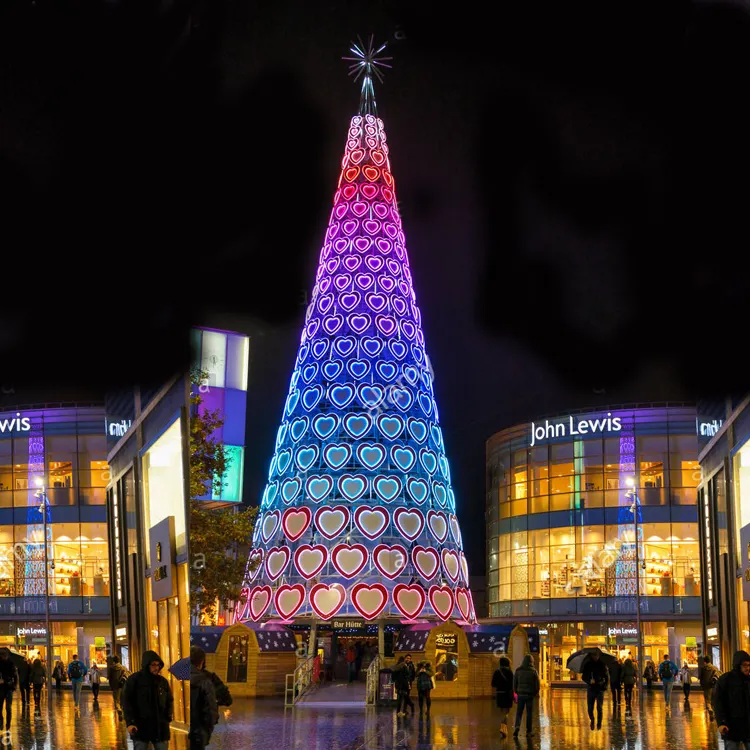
(99, 582)
(690, 583)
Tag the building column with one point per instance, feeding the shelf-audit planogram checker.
(381, 638)
(312, 641)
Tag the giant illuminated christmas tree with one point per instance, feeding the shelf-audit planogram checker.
(358, 515)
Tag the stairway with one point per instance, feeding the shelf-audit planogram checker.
(341, 694)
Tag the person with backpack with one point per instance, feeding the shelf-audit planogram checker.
(502, 682)
(77, 671)
(526, 685)
(732, 703)
(58, 674)
(667, 672)
(117, 676)
(708, 676)
(649, 674)
(596, 677)
(424, 687)
(629, 676)
(38, 678)
(148, 704)
(204, 707)
(8, 684)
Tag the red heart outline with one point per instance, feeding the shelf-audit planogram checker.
(400, 589)
(254, 614)
(347, 547)
(370, 172)
(297, 588)
(292, 512)
(390, 548)
(328, 509)
(364, 587)
(255, 552)
(433, 553)
(357, 155)
(271, 552)
(455, 528)
(437, 514)
(464, 603)
(400, 512)
(275, 514)
(349, 191)
(464, 567)
(377, 156)
(243, 603)
(369, 191)
(452, 554)
(439, 590)
(351, 173)
(308, 574)
(379, 509)
(315, 590)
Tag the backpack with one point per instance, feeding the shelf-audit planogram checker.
(124, 674)
(665, 670)
(74, 670)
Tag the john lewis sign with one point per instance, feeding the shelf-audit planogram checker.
(572, 427)
(15, 423)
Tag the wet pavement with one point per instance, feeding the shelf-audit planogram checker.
(470, 724)
(58, 726)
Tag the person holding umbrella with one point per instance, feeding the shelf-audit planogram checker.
(596, 677)
(8, 684)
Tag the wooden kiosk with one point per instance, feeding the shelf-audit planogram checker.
(253, 659)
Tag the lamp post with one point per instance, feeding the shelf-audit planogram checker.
(630, 482)
(41, 494)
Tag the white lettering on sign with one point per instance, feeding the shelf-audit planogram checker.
(22, 424)
(707, 548)
(30, 631)
(116, 535)
(709, 429)
(572, 427)
(622, 631)
(118, 429)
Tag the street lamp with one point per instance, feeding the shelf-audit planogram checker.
(41, 495)
(630, 482)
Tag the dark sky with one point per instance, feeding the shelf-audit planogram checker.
(573, 182)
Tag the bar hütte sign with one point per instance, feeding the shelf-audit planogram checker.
(574, 427)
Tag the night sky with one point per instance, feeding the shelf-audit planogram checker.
(573, 186)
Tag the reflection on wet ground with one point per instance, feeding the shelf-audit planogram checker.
(563, 723)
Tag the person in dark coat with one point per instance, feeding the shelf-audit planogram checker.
(708, 676)
(502, 682)
(731, 700)
(8, 683)
(24, 681)
(38, 678)
(204, 709)
(148, 705)
(526, 685)
(596, 677)
(615, 682)
(629, 677)
(402, 682)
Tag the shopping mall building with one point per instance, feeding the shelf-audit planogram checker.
(563, 497)
(57, 452)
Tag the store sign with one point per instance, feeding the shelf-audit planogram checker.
(116, 536)
(37, 632)
(574, 427)
(691, 641)
(712, 632)
(543, 631)
(161, 544)
(117, 429)
(630, 631)
(100, 641)
(445, 640)
(348, 624)
(121, 632)
(745, 552)
(708, 550)
(15, 424)
(708, 429)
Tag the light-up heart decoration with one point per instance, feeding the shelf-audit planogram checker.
(409, 521)
(410, 600)
(349, 559)
(330, 522)
(310, 559)
(352, 486)
(337, 455)
(318, 488)
(450, 564)
(387, 488)
(260, 599)
(455, 529)
(288, 599)
(464, 603)
(404, 457)
(295, 522)
(390, 560)
(277, 558)
(369, 599)
(357, 424)
(438, 525)
(464, 567)
(441, 599)
(254, 563)
(271, 522)
(371, 455)
(371, 522)
(418, 489)
(327, 600)
(324, 425)
(425, 560)
(341, 395)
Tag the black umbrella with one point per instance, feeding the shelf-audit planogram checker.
(576, 661)
(16, 658)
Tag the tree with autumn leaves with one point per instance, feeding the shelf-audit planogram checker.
(217, 535)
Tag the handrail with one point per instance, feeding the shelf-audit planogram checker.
(301, 681)
(373, 678)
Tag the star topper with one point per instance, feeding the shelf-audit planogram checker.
(367, 61)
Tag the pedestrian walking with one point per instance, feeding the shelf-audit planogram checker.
(95, 679)
(223, 696)
(148, 705)
(24, 681)
(708, 676)
(77, 671)
(596, 677)
(58, 673)
(629, 676)
(204, 709)
(667, 672)
(649, 674)
(685, 679)
(117, 676)
(731, 702)
(402, 682)
(351, 660)
(502, 682)
(526, 685)
(8, 683)
(615, 683)
(424, 687)
(38, 678)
